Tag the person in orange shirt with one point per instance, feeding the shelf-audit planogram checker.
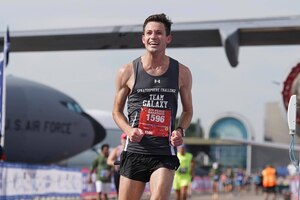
(269, 182)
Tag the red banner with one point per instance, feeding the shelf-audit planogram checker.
(291, 86)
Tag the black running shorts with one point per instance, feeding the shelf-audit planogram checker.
(139, 167)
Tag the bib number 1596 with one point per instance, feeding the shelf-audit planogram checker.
(155, 118)
(155, 122)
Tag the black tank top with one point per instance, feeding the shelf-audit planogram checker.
(152, 106)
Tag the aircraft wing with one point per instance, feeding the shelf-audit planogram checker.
(228, 33)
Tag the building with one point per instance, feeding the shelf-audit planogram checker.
(230, 141)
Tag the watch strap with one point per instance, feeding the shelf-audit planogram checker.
(182, 130)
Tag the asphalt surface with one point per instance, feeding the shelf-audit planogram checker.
(223, 196)
(196, 195)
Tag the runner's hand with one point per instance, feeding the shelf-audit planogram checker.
(136, 135)
(176, 138)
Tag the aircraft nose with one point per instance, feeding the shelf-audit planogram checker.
(99, 130)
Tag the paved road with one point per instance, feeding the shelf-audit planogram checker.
(207, 196)
(241, 196)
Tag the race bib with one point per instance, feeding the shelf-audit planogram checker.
(104, 173)
(155, 122)
(183, 170)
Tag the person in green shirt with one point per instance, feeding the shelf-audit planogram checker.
(104, 173)
(184, 174)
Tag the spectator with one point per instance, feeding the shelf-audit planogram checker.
(103, 171)
(184, 174)
(114, 160)
(269, 182)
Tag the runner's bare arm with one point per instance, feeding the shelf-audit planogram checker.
(185, 90)
(123, 79)
(124, 82)
(185, 87)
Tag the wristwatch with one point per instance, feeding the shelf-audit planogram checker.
(182, 130)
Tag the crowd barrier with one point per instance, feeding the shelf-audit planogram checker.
(201, 184)
(24, 181)
(294, 184)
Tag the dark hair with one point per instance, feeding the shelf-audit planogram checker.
(162, 18)
(103, 146)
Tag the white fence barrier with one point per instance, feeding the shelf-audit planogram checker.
(24, 181)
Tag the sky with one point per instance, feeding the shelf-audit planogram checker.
(89, 76)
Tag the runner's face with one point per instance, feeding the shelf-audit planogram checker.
(155, 38)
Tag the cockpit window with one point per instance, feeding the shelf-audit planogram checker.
(77, 108)
(72, 106)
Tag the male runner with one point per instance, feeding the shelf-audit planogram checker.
(150, 85)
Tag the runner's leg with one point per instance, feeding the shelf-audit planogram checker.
(184, 192)
(161, 182)
(130, 189)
